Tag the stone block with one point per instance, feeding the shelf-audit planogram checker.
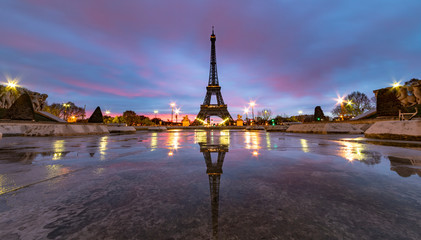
(21, 109)
(96, 116)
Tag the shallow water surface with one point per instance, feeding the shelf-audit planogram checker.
(217, 184)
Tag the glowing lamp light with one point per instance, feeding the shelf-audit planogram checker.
(155, 111)
(300, 112)
(349, 102)
(177, 110)
(170, 153)
(340, 100)
(107, 112)
(255, 153)
(12, 84)
(246, 110)
(396, 84)
(252, 104)
(172, 104)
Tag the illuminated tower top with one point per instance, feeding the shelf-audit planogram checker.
(213, 73)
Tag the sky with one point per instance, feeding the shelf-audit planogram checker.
(288, 56)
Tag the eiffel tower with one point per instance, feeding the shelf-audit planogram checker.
(207, 109)
(214, 171)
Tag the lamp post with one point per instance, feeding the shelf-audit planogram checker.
(252, 104)
(246, 111)
(340, 100)
(65, 105)
(177, 111)
(172, 111)
(156, 112)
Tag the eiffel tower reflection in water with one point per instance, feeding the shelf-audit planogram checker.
(216, 143)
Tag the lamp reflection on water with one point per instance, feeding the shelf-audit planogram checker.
(103, 147)
(304, 145)
(154, 141)
(55, 170)
(4, 182)
(59, 148)
(352, 151)
(173, 142)
(252, 141)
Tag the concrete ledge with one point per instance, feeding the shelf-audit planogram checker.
(277, 128)
(255, 127)
(398, 130)
(140, 128)
(120, 129)
(51, 129)
(325, 128)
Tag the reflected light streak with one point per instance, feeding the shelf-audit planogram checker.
(3, 184)
(172, 142)
(154, 141)
(58, 146)
(103, 147)
(56, 170)
(268, 143)
(352, 151)
(304, 145)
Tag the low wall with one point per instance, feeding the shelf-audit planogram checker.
(327, 128)
(399, 130)
(120, 129)
(51, 129)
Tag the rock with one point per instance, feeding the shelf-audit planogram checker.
(399, 130)
(51, 129)
(158, 129)
(21, 109)
(50, 116)
(318, 114)
(96, 116)
(8, 97)
(112, 128)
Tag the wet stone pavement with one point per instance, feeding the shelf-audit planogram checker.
(208, 185)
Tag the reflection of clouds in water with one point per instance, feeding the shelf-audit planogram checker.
(405, 167)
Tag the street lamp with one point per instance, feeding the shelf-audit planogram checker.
(156, 112)
(177, 111)
(65, 105)
(172, 110)
(252, 104)
(340, 100)
(246, 111)
(107, 112)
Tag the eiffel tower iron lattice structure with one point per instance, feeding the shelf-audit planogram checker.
(214, 171)
(219, 109)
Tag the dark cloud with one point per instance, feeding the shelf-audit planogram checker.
(141, 55)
